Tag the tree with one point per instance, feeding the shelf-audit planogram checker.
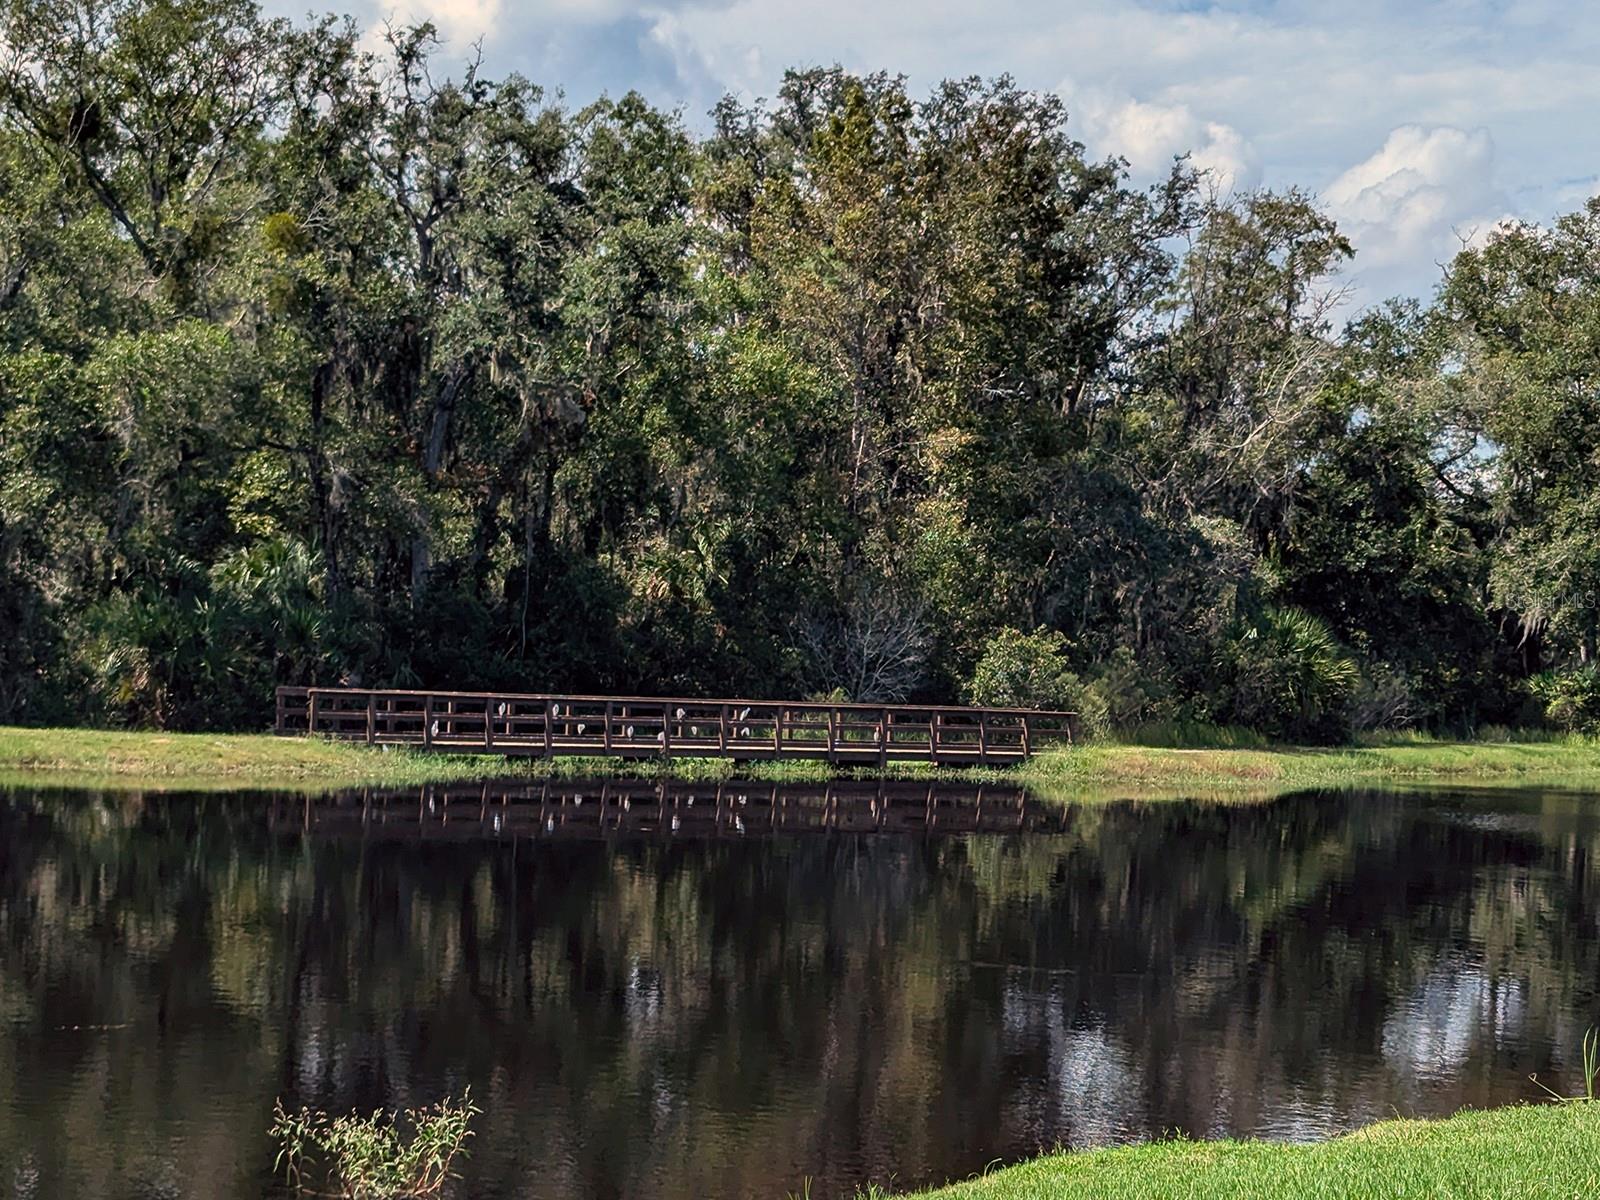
(1524, 311)
(1386, 532)
(153, 109)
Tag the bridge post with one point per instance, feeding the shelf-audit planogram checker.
(427, 721)
(372, 717)
(885, 730)
(488, 723)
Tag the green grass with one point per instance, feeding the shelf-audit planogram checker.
(91, 758)
(1520, 1153)
(1406, 759)
(98, 758)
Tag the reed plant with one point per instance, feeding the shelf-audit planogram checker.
(395, 1155)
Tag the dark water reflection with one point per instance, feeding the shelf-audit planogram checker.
(853, 985)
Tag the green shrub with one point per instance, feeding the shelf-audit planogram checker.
(1383, 699)
(1025, 670)
(1123, 693)
(203, 648)
(384, 1156)
(1571, 698)
(1291, 678)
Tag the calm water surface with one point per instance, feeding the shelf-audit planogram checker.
(681, 992)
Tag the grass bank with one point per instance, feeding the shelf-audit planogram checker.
(94, 756)
(90, 758)
(98, 758)
(1549, 1151)
(1399, 759)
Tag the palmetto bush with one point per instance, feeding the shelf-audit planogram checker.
(1291, 677)
(1571, 698)
(204, 648)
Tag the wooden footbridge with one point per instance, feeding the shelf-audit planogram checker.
(650, 727)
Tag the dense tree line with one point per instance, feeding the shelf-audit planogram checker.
(322, 362)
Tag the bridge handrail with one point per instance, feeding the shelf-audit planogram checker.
(700, 702)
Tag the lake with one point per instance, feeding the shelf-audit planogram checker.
(675, 991)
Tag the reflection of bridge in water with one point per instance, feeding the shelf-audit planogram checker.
(666, 809)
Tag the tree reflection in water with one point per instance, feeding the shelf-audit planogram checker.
(654, 998)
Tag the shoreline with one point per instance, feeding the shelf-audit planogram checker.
(204, 761)
(1545, 1150)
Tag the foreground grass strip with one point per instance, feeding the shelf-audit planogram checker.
(237, 760)
(93, 758)
(1550, 1152)
(1576, 760)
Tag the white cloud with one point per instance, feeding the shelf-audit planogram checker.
(1411, 204)
(741, 69)
(458, 21)
(1572, 194)
(1151, 135)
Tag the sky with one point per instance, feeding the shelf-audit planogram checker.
(1420, 125)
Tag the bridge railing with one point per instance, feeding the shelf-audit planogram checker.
(588, 808)
(640, 726)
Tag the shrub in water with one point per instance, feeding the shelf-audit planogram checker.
(384, 1156)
